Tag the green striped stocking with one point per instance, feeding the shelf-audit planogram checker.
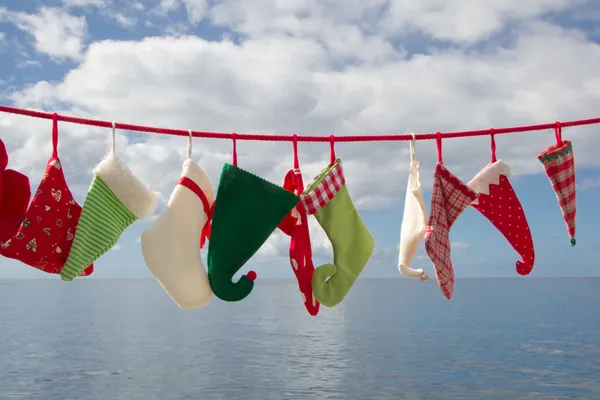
(115, 200)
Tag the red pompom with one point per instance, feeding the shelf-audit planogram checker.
(251, 275)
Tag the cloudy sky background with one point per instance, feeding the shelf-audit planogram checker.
(315, 67)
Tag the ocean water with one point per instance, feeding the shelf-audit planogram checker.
(390, 339)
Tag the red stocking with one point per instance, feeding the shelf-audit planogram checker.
(449, 199)
(15, 193)
(46, 234)
(559, 164)
(295, 224)
(499, 203)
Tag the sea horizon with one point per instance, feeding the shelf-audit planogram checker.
(431, 279)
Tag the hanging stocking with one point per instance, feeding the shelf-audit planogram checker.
(114, 201)
(46, 233)
(449, 199)
(15, 193)
(328, 199)
(295, 225)
(170, 244)
(414, 221)
(559, 164)
(499, 203)
(247, 210)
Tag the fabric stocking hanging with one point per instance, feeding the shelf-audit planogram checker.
(327, 198)
(499, 203)
(247, 210)
(414, 221)
(114, 201)
(559, 164)
(171, 244)
(295, 225)
(450, 197)
(15, 193)
(46, 234)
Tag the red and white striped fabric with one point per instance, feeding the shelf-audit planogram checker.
(559, 164)
(449, 199)
(326, 190)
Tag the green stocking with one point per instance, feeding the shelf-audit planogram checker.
(328, 199)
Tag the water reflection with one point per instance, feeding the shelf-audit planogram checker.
(496, 339)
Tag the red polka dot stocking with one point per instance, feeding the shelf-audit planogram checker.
(295, 225)
(499, 203)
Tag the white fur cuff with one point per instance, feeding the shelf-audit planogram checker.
(490, 175)
(129, 190)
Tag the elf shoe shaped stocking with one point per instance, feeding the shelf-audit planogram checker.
(114, 201)
(247, 210)
(499, 203)
(15, 193)
(449, 199)
(171, 244)
(295, 225)
(559, 164)
(327, 198)
(46, 233)
(414, 222)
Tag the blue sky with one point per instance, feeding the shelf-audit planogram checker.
(472, 94)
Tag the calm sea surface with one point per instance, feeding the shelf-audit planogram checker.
(390, 339)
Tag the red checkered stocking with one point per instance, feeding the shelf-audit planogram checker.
(449, 199)
(559, 164)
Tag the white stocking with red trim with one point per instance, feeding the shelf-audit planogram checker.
(171, 244)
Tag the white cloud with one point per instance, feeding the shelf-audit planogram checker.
(124, 20)
(465, 22)
(169, 5)
(290, 74)
(86, 3)
(116, 247)
(285, 84)
(29, 63)
(196, 9)
(55, 32)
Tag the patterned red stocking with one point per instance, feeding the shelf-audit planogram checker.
(295, 224)
(15, 193)
(449, 199)
(499, 203)
(559, 164)
(46, 234)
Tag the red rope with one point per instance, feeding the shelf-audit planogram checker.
(290, 138)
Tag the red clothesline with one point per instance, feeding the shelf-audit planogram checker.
(299, 138)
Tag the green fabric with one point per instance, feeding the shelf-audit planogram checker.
(557, 152)
(103, 219)
(352, 244)
(247, 210)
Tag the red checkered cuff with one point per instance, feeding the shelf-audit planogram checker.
(324, 191)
